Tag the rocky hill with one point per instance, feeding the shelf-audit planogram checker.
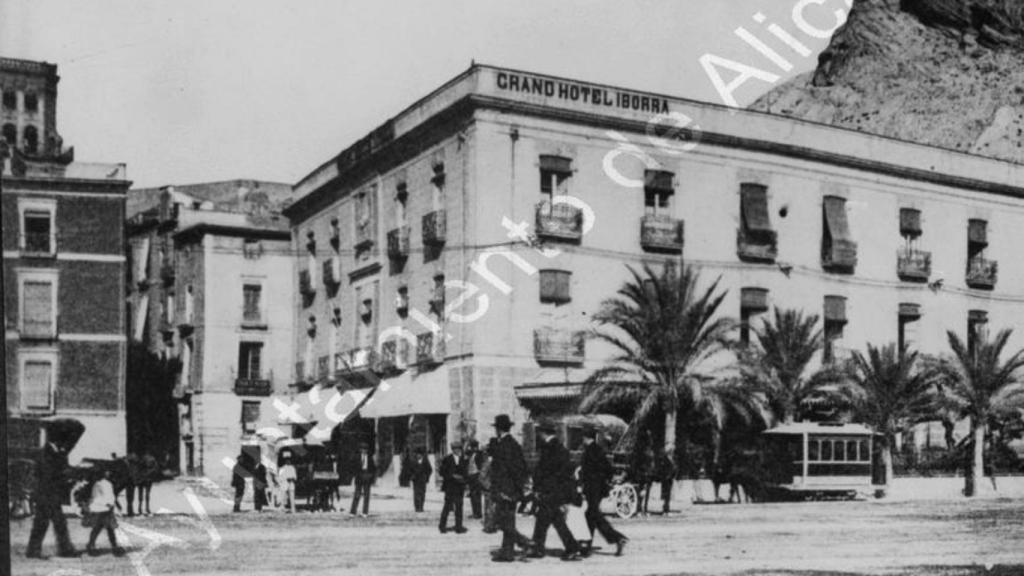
(948, 73)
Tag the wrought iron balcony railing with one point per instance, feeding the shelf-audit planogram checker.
(398, 242)
(982, 273)
(435, 228)
(914, 265)
(762, 246)
(559, 221)
(253, 387)
(552, 346)
(430, 349)
(661, 234)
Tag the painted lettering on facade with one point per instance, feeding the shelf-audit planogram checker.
(580, 93)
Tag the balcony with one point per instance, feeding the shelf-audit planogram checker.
(559, 346)
(430, 349)
(306, 283)
(253, 387)
(364, 234)
(661, 234)
(841, 256)
(332, 272)
(398, 242)
(323, 367)
(982, 273)
(559, 222)
(757, 246)
(914, 265)
(357, 361)
(394, 356)
(435, 228)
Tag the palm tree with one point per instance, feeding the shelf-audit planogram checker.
(891, 391)
(665, 335)
(983, 387)
(777, 366)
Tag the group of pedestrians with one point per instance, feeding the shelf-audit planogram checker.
(555, 490)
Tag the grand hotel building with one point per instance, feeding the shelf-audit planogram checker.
(484, 225)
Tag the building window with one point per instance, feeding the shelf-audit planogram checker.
(838, 250)
(658, 192)
(555, 173)
(252, 303)
(909, 315)
(401, 197)
(249, 357)
(252, 248)
(555, 286)
(437, 183)
(37, 226)
(190, 304)
(250, 416)
(38, 304)
(31, 141)
(335, 235)
(977, 323)
(365, 216)
(31, 102)
(753, 303)
(38, 374)
(169, 307)
(10, 100)
(11, 134)
(437, 299)
(311, 242)
(835, 322)
(754, 209)
(402, 301)
(910, 226)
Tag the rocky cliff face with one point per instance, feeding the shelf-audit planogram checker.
(948, 73)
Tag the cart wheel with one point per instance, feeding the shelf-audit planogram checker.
(626, 500)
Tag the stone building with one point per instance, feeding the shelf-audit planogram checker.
(209, 297)
(460, 248)
(63, 257)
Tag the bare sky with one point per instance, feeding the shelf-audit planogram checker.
(203, 90)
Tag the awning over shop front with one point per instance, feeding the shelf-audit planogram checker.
(406, 395)
(553, 383)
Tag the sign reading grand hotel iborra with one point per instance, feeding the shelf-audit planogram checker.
(580, 93)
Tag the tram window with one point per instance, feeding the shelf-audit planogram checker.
(840, 452)
(826, 450)
(851, 450)
(812, 450)
(865, 456)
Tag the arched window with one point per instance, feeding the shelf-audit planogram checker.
(10, 134)
(31, 139)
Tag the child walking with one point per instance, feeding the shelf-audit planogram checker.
(101, 508)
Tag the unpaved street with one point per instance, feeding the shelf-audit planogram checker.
(811, 539)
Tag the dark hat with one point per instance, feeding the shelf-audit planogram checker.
(546, 426)
(502, 422)
(474, 444)
(420, 450)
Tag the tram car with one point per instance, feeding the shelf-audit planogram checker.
(810, 460)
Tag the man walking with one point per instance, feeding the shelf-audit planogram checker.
(51, 485)
(554, 486)
(239, 473)
(453, 484)
(595, 475)
(418, 472)
(476, 461)
(508, 477)
(366, 473)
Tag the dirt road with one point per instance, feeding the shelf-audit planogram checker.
(947, 538)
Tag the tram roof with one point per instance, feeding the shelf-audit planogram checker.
(819, 428)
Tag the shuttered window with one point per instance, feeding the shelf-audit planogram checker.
(249, 359)
(835, 218)
(36, 228)
(250, 415)
(754, 207)
(835, 309)
(36, 385)
(555, 172)
(554, 286)
(977, 232)
(910, 222)
(37, 308)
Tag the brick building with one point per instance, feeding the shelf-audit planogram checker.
(63, 257)
(208, 263)
(419, 258)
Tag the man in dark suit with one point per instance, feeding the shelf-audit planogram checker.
(476, 460)
(555, 488)
(366, 473)
(595, 475)
(453, 484)
(508, 479)
(418, 471)
(51, 486)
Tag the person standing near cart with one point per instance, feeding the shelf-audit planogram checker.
(366, 473)
(50, 488)
(595, 475)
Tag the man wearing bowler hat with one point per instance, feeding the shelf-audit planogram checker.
(595, 476)
(555, 488)
(508, 478)
(366, 473)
